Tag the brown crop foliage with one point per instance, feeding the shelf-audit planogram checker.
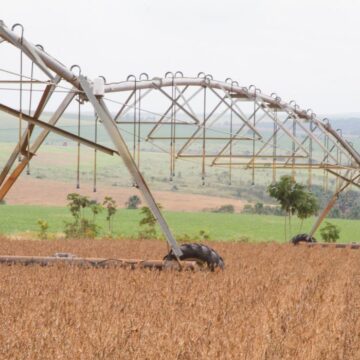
(272, 302)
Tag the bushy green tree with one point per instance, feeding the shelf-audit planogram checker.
(81, 227)
(133, 202)
(306, 207)
(95, 208)
(293, 199)
(148, 223)
(330, 232)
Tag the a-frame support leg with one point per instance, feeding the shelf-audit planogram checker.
(10, 181)
(27, 133)
(330, 204)
(121, 147)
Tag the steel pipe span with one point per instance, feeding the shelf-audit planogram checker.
(205, 82)
(244, 92)
(47, 63)
(308, 136)
(72, 78)
(40, 57)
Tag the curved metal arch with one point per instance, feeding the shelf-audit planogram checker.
(37, 53)
(44, 59)
(227, 92)
(302, 116)
(230, 86)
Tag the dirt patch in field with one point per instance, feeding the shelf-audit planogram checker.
(272, 302)
(30, 191)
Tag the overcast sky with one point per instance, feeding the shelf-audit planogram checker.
(305, 50)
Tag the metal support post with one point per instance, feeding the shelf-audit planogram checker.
(115, 135)
(36, 145)
(25, 137)
(330, 204)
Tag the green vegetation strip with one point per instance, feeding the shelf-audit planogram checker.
(226, 227)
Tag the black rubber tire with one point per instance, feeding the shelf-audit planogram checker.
(302, 238)
(202, 253)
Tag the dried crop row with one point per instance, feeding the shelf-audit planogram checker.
(272, 302)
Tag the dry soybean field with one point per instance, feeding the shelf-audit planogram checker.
(272, 302)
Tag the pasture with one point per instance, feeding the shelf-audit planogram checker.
(21, 221)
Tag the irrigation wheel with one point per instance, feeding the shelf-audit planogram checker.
(302, 238)
(202, 254)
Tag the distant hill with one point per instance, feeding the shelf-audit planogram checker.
(349, 125)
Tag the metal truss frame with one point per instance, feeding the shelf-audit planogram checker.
(334, 155)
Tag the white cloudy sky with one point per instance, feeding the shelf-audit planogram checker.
(306, 50)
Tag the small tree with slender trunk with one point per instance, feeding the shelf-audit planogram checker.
(148, 223)
(293, 198)
(81, 227)
(307, 206)
(110, 206)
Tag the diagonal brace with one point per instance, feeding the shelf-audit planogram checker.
(114, 133)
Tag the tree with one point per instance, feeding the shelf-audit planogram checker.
(95, 208)
(293, 198)
(110, 205)
(330, 232)
(81, 226)
(148, 223)
(44, 226)
(133, 202)
(306, 207)
(76, 203)
(259, 208)
(287, 195)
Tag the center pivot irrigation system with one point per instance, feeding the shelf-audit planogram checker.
(215, 123)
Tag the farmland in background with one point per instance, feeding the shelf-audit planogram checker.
(57, 160)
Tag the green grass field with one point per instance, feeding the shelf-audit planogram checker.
(226, 227)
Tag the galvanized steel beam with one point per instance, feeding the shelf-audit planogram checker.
(123, 151)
